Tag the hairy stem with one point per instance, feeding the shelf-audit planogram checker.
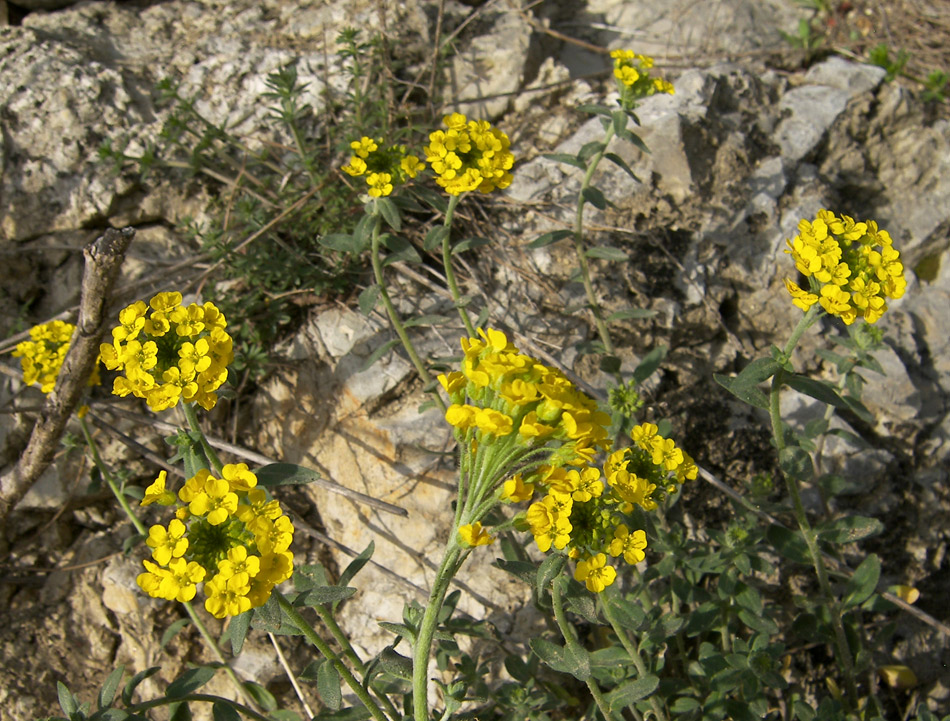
(449, 272)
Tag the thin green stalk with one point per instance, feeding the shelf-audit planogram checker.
(811, 538)
(350, 653)
(602, 330)
(633, 652)
(451, 562)
(394, 316)
(135, 709)
(567, 631)
(305, 628)
(140, 527)
(192, 417)
(447, 262)
(110, 480)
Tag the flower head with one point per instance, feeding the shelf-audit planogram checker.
(631, 70)
(175, 353)
(226, 533)
(42, 356)
(852, 268)
(381, 166)
(469, 155)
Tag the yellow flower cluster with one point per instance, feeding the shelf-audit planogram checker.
(505, 398)
(174, 353)
(381, 166)
(588, 519)
(632, 73)
(42, 356)
(852, 268)
(227, 534)
(469, 155)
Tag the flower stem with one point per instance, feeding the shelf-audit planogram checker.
(394, 316)
(192, 416)
(633, 652)
(447, 262)
(567, 631)
(451, 562)
(602, 330)
(300, 622)
(107, 475)
(811, 538)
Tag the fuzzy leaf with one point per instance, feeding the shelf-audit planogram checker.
(237, 631)
(548, 570)
(67, 701)
(173, 630)
(850, 529)
(133, 682)
(819, 390)
(368, 298)
(390, 213)
(378, 353)
(222, 711)
(631, 692)
(550, 237)
(434, 238)
(863, 583)
(469, 243)
(566, 159)
(190, 680)
(574, 661)
(620, 163)
(284, 474)
(589, 150)
(743, 386)
(328, 685)
(322, 595)
(111, 685)
(651, 361)
(595, 197)
(606, 252)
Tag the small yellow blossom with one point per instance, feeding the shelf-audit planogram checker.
(595, 573)
(469, 155)
(472, 534)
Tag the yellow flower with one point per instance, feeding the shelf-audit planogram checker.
(470, 155)
(633, 77)
(167, 543)
(216, 501)
(630, 545)
(472, 534)
(157, 493)
(382, 166)
(595, 572)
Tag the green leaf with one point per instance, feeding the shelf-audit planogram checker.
(629, 614)
(566, 159)
(702, 619)
(179, 711)
(548, 570)
(863, 583)
(190, 680)
(173, 630)
(685, 704)
(237, 631)
(356, 565)
(630, 314)
(606, 253)
(550, 237)
(595, 197)
(589, 150)
(819, 390)
(850, 529)
(343, 242)
(265, 699)
(399, 629)
(67, 701)
(789, 544)
(595, 109)
(762, 624)
(859, 409)
(224, 711)
(396, 664)
(399, 249)
(469, 243)
(284, 474)
(523, 570)
(610, 364)
(368, 298)
(390, 213)
(434, 200)
(631, 692)
(109, 687)
(133, 682)
(651, 361)
(620, 163)
(322, 595)
(743, 386)
(575, 661)
(378, 353)
(434, 238)
(795, 463)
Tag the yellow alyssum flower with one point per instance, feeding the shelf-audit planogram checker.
(595, 573)
(852, 268)
(175, 353)
(41, 357)
(469, 155)
(472, 534)
(226, 532)
(157, 493)
(381, 166)
(631, 70)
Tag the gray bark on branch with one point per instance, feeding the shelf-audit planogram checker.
(104, 257)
